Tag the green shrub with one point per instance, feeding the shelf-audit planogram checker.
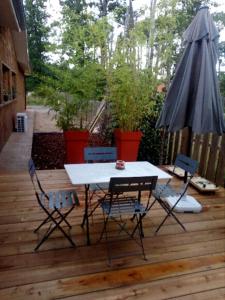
(151, 144)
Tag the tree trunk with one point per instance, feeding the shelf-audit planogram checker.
(151, 38)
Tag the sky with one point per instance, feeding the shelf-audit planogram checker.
(54, 9)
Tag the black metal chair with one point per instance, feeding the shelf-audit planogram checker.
(123, 203)
(56, 204)
(169, 197)
(97, 154)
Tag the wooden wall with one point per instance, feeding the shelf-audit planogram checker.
(9, 109)
(208, 150)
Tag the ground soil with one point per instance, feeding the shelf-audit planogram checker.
(48, 150)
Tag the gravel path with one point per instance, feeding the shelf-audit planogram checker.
(44, 119)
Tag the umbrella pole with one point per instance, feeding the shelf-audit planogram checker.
(192, 202)
(188, 151)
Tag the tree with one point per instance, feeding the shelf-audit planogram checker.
(37, 31)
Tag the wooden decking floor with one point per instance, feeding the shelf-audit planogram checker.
(180, 265)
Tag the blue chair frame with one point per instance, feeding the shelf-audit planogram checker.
(98, 154)
(123, 202)
(165, 190)
(57, 205)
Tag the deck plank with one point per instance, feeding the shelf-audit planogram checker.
(180, 265)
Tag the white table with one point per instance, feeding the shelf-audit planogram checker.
(102, 172)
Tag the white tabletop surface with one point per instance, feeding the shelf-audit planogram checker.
(102, 172)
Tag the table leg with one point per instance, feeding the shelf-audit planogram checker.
(86, 214)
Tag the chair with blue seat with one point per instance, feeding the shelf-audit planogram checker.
(57, 205)
(124, 203)
(175, 200)
(92, 155)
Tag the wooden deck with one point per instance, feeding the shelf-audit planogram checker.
(180, 265)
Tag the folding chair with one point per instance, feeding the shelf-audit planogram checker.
(123, 204)
(57, 205)
(98, 154)
(171, 199)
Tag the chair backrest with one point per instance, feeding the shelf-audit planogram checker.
(92, 154)
(132, 184)
(186, 163)
(35, 181)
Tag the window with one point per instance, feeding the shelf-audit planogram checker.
(13, 85)
(8, 84)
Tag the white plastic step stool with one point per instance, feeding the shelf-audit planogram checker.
(187, 204)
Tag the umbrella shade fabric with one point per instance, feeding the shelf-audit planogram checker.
(193, 99)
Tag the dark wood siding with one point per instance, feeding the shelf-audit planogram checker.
(9, 109)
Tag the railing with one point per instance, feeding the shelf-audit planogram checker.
(208, 149)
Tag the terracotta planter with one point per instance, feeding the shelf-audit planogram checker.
(127, 143)
(75, 142)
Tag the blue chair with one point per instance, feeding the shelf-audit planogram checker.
(168, 197)
(57, 205)
(92, 155)
(99, 154)
(123, 202)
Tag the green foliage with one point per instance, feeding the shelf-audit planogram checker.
(222, 85)
(88, 58)
(129, 88)
(68, 92)
(151, 143)
(219, 18)
(37, 32)
(33, 99)
(74, 5)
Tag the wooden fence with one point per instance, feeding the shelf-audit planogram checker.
(208, 149)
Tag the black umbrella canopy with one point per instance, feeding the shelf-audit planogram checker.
(193, 99)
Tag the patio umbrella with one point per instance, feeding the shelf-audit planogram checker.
(193, 99)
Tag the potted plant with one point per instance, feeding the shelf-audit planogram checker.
(68, 92)
(69, 117)
(129, 92)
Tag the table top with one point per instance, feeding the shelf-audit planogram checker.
(102, 172)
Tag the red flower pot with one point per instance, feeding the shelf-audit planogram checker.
(127, 143)
(75, 142)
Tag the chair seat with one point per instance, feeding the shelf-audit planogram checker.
(60, 199)
(129, 206)
(163, 191)
(99, 186)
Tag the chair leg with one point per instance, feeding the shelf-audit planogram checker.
(104, 228)
(61, 229)
(170, 213)
(57, 225)
(63, 216)
(140, 230)
(178, 221)
(89, 215)
(49, 217)
(107, 244)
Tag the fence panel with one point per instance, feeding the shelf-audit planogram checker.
(196, 146)
(185, 134)
(220, 172)
(208, 149)
(213, 157)
(204, 154)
